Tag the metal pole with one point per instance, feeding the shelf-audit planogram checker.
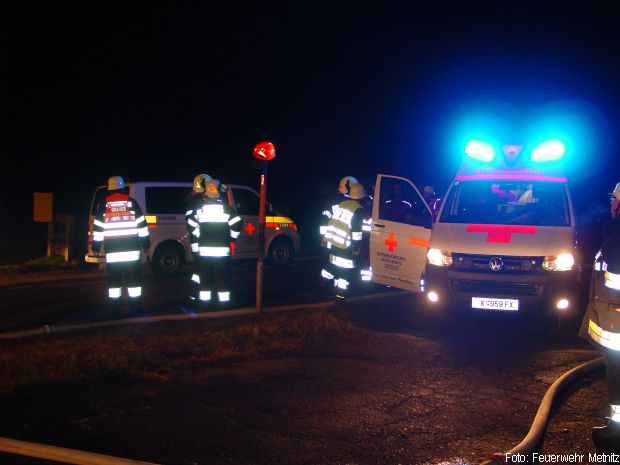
(50, 238)
(68, 232)
(261, 239)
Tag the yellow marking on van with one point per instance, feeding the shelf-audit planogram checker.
(151, 219)
(278, 219)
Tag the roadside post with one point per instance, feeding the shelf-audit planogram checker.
(42, 212)
(263, 152)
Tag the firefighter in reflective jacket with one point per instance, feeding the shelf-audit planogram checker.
(192, 201)
(216, 227)
(601, 325)
(121, 228)
(344, 187)
(344, 238)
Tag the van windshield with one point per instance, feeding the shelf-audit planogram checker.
(507, 202)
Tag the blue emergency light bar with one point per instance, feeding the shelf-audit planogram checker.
(480, 151)
(550, 150)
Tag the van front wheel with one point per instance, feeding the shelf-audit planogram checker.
(167, 260)
(280, 252)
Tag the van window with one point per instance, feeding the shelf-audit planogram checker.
(246, 201)
(399, 202)
(507, 202)
(165, 200)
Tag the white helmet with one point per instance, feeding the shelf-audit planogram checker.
(199, 180)
(616, 192)
(345, 184)
(115, 183)
(357, 192)
(212, 188)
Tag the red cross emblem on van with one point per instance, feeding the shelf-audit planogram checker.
(391, 242)
(500, 233)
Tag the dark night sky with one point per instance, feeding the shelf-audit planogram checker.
(164, 91)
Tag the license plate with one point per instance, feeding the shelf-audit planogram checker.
(510, 305)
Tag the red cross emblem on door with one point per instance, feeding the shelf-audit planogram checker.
(391, 242)
(250, 228)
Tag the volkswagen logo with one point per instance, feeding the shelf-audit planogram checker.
(496, 264)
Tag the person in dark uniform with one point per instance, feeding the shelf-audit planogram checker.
(601, 323)
(217, 228)
(121, 228)
(344, 187)
(344, 239)
(194, 200)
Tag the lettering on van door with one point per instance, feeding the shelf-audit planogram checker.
(166, 217)
(391, 261)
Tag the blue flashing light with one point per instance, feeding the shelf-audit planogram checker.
(480, 151)
(550, 150)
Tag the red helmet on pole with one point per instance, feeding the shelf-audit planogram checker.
(264, 151)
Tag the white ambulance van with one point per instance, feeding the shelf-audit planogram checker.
(504, 238)
(163, 204)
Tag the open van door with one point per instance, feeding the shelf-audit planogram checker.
(400, 235)
(98, 198)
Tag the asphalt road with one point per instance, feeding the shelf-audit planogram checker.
(411, 386)
(37, 299)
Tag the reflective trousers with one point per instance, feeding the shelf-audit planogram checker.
(344, 280)
(128, 275)
(214, 276)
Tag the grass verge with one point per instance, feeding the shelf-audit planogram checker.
(55, 263)
(158, 349)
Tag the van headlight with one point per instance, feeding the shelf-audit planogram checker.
(439, 257)
(562, 262)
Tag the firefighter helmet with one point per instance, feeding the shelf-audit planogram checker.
(212, 188)
(345, 184)
(199, 181)
(616, 192)
(357, 191)
(115, 183)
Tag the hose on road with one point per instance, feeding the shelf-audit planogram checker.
(539, 425)
(61, 454)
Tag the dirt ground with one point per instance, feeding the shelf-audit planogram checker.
(407, 388)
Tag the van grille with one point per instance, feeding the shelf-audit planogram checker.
(510, 263)
(495, 287)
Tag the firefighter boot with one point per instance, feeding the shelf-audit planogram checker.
(205, 300)
(607, 438)
(223, 299)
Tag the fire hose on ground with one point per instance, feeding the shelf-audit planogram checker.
(536, 433)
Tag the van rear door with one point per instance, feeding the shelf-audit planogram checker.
(400, 235)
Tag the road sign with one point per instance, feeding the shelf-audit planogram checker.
(43, 207)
